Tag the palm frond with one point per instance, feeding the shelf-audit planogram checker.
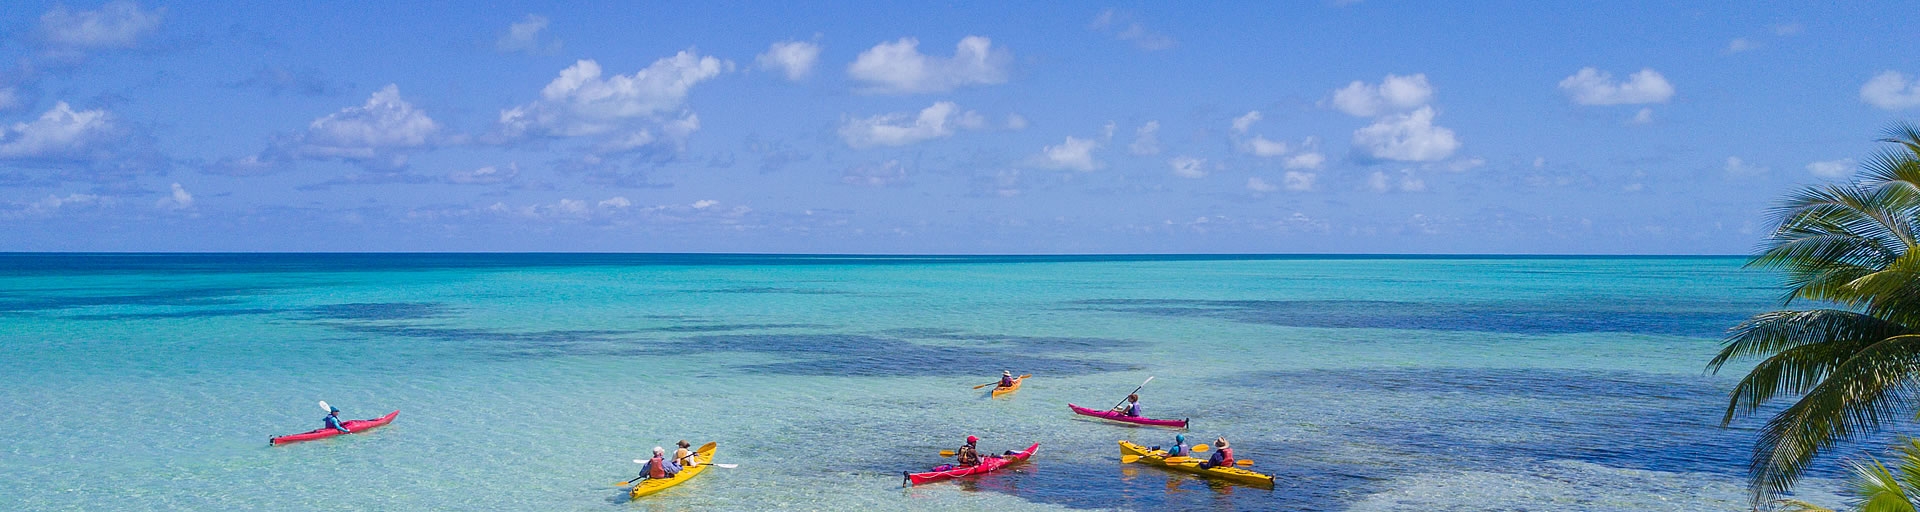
(1857, 396)
(1874, 488)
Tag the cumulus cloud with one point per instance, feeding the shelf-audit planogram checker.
(1245, 122)
(794, 58)
(898, 67)
(60, 134)
(1308, 160)
(117, 24)
(1736, 167)
(1394, 94)
(1410, 137)
(1146, 140)
(1832, 168)
(376, 132)
(1644, 116)
(524, 36)
(178, 200)
(1591, 86)
(1188, 167)
(580, 102)
(1892, 91)
(1299, 181)
(1259, 185)
(51, 205)
(903, 128)
(1260, 146)
(1074, 154)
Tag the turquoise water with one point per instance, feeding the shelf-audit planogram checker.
(531, 381)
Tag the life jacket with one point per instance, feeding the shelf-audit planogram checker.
(1006, 381)
(1226, 456)
(657, 468)
(684, 457)
(1133, 409)
(967, 456)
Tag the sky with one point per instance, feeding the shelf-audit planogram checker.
(1364, 126)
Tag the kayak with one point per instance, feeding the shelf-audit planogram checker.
(357, 426)
(1192, 465)
(1115, 416)
(997, 391)
(987, 464)
(649, 486)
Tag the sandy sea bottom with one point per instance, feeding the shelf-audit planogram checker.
(532, 382)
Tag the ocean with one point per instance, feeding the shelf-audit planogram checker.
(532, 381)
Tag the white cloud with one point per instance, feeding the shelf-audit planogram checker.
(1074, 154)
(524, 36)
(115, 25)
(579, 102)
(1465, 165)
(1408, 137)
(705, 204)
(1788, 29)
(373, 131)
(902, 128)
(1188, 167)
(1260, 146)
(1300, 181)
(1736, 167)
(1591, 86)
(1644, 116)
(1146, 140)
(1395, 93)
(1381, 182)
(1892, 91)
(51, 205)
(1243, 123)
(1741, 44)
(1832, 168)
(616, 202)
(899, 68)
(1307, 160)
(488, 175)
(178, 200)
(59, 133)
(794, 58)
(1260, 185)
(1016, 122)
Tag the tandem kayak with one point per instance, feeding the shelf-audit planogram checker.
(987, 464)
(1192, 465)
(997, 391)
(704, 456)
(357, 426)
(1115, 416)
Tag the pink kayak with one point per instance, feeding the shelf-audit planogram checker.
(1110, 415)
(987, 464)
(357, 426)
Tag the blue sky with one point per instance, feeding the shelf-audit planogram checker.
(1348, 127)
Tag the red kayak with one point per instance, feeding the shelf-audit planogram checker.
(987, 464)
(357, 426)
(1115, 416)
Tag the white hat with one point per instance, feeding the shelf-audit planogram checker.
(659, 451)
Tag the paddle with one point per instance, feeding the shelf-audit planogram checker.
(1129, 459)
(325, 407)
(996, 383)
(1123, 399)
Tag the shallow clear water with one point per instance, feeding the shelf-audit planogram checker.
(532, 381)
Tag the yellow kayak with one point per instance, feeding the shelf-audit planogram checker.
(704, 456)
(1191, 465)
(1009, 389)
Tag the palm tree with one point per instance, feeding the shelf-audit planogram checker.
(1876, 488)
(1854, 364)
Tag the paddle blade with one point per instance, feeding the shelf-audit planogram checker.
(639, 461)
(1129, 459)
(1243, 462)
(1178, 460)
(325, 407)
(946, 453)
(622, 484)
(1201, 447)
(727, 466)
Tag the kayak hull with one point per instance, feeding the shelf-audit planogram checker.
(357, 426)
(987, 465)
(649, 486)
(1000, 391)
(1114, 416)
(1158, 458)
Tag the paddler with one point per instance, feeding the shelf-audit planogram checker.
(1130, 408)
(1179, 448)
(969, 454)
(659, 467)
(333, 420)
(683, 456)
(1222, 455)
(1006, 379)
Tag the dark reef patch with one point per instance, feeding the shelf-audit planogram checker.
(376, 311)
(1529, 318)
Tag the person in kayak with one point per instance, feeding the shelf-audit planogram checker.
(968, 455)
(1006, 378)
(683, 456)
(659, 467)
(1130, 408)
(333, 420)
(1179, 448)
(1222, 455)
